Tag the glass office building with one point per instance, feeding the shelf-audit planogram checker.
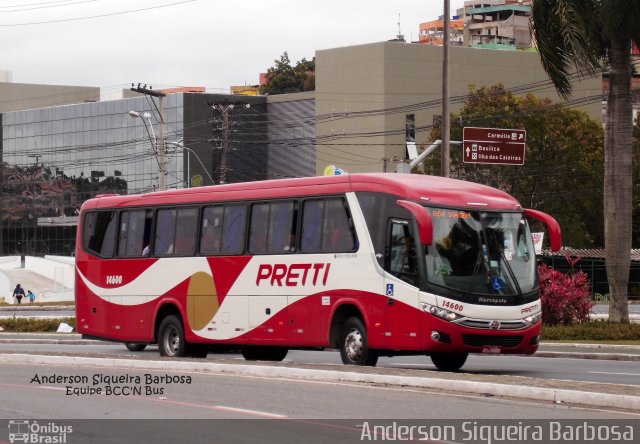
(53, 159)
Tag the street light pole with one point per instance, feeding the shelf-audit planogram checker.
(189, 150)
(160, 143)
(162, 174)
(158, 151)
(446, 124)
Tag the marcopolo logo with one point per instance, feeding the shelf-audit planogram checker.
(33, 432)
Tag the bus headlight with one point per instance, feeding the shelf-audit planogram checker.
(533, 319)
(439, 312)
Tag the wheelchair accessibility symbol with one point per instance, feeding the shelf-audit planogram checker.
(389, 289)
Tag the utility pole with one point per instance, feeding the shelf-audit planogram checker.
(445, 153)
(225, 109)
(160, 143)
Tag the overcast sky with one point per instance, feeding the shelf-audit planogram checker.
(207, 43)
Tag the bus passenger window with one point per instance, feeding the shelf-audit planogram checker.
(258, 229)
(132, 232)
(233, 229)
(186, 231)
(99, 232)
(338, 233)
(272, 228)
(165, 230)
(326, 226)
(311, 236)
(211, 230)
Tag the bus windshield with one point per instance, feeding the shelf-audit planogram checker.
(483, 253)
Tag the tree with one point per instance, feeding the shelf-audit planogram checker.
(635, 241)
(282, 78)
(562, 173)
(583, 33)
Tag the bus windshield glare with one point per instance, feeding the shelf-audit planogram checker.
(478, 252)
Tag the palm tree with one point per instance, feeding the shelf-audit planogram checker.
(582, 34)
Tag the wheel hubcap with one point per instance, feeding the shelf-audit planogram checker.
(172, 340)
(353, 345)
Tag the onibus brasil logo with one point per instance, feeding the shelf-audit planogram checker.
(33, 432)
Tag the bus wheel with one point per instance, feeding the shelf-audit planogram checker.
(135, 347)
(264, 353)
(354, 347)
(449, 362)
(171, 340)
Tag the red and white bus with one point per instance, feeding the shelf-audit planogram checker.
(371, 264)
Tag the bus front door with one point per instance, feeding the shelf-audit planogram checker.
(401, 316)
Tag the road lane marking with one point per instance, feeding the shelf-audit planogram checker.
(248, 412)
(48, 387)
(615, 373)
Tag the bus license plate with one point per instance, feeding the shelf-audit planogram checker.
(492, 349)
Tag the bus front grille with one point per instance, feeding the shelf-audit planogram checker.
(484, 324)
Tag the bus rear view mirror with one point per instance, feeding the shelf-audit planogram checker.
(423, 218)
(555, 235)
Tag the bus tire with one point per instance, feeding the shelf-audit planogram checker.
(135, 346)
(254, 353)
(354, 345)
(449, 362)
(171, 340)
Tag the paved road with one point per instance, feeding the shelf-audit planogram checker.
(273, 409)
(613, 371)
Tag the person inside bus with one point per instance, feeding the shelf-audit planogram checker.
(460, 249)
(146, 251)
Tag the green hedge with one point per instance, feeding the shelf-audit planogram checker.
(592, 331)
(27, 325)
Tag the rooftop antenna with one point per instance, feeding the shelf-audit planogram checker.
(399, 37)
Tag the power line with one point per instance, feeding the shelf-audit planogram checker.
(46, 5)
(110, 14)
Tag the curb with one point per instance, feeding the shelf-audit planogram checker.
(475, 387)
(594, 355)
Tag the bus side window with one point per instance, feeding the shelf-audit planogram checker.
(186, 231)
(272, 228)
(281, 228)
(326, 226)
(338, 233)
(311, 230)
(131, 236)
(99, 232)
(163, 242)
(211, 231)
(233, 229)
(258, 228)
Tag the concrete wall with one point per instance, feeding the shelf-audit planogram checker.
(21, 96)
(59, 269)
(363, 94)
